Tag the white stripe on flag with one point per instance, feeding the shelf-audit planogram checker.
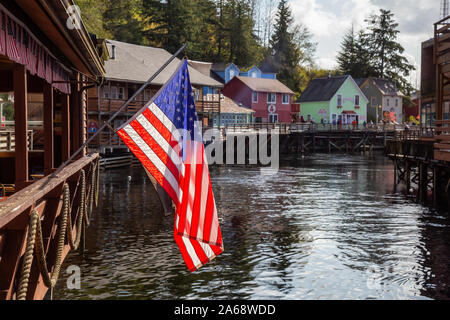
(147, 125)
(166, 122)
(191, 251)
(154, 159)
(203, 199)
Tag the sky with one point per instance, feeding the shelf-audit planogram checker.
(329, 20)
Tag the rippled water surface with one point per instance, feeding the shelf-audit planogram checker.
(325, 227)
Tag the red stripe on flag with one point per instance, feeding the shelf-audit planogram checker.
(156, 148)
(199, 251)
(162, 129)
(148, 164)
(184, 185)
(184, 253)
(197, 200)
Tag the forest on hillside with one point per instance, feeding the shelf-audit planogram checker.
(245, 32)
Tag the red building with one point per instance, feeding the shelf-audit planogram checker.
(272, 100)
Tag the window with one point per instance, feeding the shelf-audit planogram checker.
(339, 100)
(232, 74)
(114, 92)
(374, 102)
(254, 75)
(286, 98)
(255, 97)
(356, 100)
(387, 102)
(147, 95)
(273, 118)
(106, 92)
(396, 102)
(121, 93)
(271, 97)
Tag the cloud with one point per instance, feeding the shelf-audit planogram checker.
(328, 21)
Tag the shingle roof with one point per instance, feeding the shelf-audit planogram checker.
(265, 85)
(387, 87)
(229, 106)
(322, 89)
(360, 81)
(137, 64)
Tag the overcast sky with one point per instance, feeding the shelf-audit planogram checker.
(328, 20)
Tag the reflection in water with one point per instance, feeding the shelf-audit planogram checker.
(325, 227)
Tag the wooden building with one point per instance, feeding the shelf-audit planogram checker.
(435, 87)
(47, 63)
(270, 98)
(128, 67)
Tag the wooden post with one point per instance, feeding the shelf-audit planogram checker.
(76, 121)
(21, 125)
(408, 175)
(435, 186)
(49, 143)
(65, 115)
(423, 182)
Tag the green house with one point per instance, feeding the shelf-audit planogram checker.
(335, 100)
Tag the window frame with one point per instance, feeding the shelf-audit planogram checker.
(106, 92)
(339, 98)
(357, 97)
(288, 100)
(114, 92)
(269, 94)
(255, 93)
(121, 92)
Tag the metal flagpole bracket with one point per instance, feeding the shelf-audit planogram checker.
(108, 122)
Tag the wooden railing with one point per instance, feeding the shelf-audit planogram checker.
(442, 137)
(8, 140)
(57, 205)
(112, 105)
(286, 128)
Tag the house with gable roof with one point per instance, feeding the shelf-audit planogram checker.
(335, 100)
(385, 99)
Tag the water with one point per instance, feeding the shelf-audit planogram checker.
(326, 227)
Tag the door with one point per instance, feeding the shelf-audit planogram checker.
(273, 118)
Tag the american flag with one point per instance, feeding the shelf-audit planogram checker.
(166, 138)
(41, 63)
(11, 36)
(2, 33)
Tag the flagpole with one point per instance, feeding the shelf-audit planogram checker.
(107, 124)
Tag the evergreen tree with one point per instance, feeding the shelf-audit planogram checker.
(285, 53)
(169, 22)
(240, 42)
(355, 57)
(121, 20)
(387, 53)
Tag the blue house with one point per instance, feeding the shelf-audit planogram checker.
(225, 72)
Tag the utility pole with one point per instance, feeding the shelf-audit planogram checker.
(444, 8)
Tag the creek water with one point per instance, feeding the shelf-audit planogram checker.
(324, 227)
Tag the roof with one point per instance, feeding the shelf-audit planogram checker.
(386, 87)
(138, 63)
(360, 81)
(221, 66)
(202, 67)
(229, 106)
(322, 89)
(50, 18)
(265, 85)
(267, 67)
